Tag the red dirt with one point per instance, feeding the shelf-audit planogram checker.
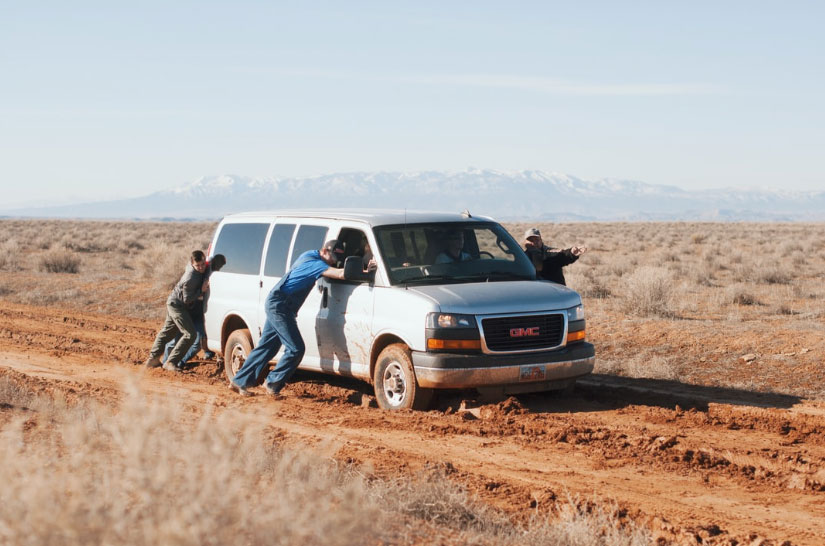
(695, 464)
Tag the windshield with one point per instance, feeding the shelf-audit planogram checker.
(451, 252)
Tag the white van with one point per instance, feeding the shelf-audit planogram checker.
(421, 321)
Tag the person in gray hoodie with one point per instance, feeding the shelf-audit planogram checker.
(178, 319)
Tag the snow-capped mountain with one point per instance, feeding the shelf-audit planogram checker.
(520, 195)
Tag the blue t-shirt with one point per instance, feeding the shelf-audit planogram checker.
(307, 269)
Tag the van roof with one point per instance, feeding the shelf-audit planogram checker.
(373, 217)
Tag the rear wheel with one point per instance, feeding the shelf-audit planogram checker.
(394, 381)
(237, 348)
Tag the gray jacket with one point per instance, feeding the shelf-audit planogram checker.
(188, 289)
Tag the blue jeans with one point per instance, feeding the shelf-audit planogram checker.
(280, 328)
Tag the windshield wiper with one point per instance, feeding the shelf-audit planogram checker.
(419, 278)
(506, 275)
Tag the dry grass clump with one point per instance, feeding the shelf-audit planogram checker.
(648, 291)
(140, 477)
(163, 264)
(434, 499)
(773, 275)
(10, 255)
(646, 365)
(588, 284)
(740, 294)
(59, 261)
(143, 475)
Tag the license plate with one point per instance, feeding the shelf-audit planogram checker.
(532, 373)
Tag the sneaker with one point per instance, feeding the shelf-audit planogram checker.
(153, 362)
(240, 390)
(274, 389)
(208, 355)
(169, 367)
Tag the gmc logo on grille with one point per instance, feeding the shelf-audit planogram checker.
(524, 332)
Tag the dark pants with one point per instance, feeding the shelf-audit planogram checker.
(280, 328)
(177, 322)
(200, 334)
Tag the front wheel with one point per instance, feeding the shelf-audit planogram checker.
(237, 348)
(394, 381)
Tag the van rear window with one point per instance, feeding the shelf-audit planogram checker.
(242, 244)
(277, 252)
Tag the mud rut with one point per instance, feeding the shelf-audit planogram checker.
(695, 464)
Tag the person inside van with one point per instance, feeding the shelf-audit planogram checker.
(549, 261)
(281, 327)
(196, 312)
(178, 319)
(454, 249)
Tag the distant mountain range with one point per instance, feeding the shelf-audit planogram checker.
(521, 195)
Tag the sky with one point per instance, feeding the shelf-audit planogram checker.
(102, 100)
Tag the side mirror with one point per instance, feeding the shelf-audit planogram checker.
(353, 270)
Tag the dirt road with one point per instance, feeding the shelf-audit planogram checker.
(692, 463)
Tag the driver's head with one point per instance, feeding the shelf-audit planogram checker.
(455, 239)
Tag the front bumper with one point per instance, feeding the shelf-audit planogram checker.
(540, 370)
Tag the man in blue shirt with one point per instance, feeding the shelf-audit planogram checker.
(281, 327)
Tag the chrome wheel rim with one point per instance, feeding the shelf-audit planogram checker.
(394, 384)
(237, 358)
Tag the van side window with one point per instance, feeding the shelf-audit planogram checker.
(242, 244)
(278, 247)
(308, 238)
(355, 243)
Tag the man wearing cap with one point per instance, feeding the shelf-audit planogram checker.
(549, 261)
(281, 327)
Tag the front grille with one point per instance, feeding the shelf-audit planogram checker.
(523, 333)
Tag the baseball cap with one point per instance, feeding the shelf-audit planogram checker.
(335, 246)
(532, 232)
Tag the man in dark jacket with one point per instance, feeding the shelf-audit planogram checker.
(549, 261)
(196, 312)
(178, 319)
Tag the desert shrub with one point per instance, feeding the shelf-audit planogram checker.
(798, 259)
(59, 261)
(140, 477)
(650, 366)
(739, 295)
(698, 238)
(164, 263)
(588, 284)
(648, 291)
(433, 498)
(773, 275)
(580, 524)
(785, 309)
(10, 255)
(789, 247)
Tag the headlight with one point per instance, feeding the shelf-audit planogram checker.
(575, 313)
(450, 320)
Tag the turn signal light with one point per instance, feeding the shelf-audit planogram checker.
(437, 344)
(575, 336)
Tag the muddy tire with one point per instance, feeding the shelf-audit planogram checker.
(237, 348)
(394, 381)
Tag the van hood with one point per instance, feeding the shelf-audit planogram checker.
(500, 297)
